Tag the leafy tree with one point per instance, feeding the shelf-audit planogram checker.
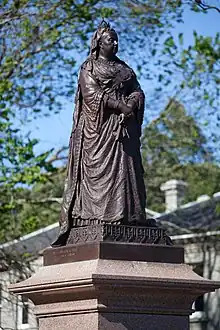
(174, 147)
(41, 206)
(19, 166)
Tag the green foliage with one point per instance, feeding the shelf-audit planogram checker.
(19, 167)
(191, 75)
(24, 210)
(42, 204)
(195, 70)
(38, 36)
(174, 147)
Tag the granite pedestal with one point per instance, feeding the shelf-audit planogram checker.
(106, 284)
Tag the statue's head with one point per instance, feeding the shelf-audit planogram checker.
(106, 38)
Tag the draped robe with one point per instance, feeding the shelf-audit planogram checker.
(104, 174)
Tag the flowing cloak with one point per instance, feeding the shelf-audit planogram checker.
(104, 180)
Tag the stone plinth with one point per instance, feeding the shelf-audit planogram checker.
(114, 251)
(120, 287)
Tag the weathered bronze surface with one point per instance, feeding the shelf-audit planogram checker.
(104, 181)
(118, 233)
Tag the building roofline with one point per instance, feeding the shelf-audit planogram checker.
(195, 235)
(30, 235)
(214, 198)
(152, 213)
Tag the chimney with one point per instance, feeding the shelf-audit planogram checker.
(174, 193)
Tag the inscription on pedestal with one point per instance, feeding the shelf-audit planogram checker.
(71, 253)
(62, 254)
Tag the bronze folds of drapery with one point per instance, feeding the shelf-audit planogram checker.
(104, 181)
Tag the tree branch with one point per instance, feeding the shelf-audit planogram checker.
(46, 200)
(203, 6)
(57, 156)
(3, 50)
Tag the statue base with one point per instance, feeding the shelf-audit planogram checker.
(114, 251)
(114, 286)
(118, 233)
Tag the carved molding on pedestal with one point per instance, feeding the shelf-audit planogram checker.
(118, 233)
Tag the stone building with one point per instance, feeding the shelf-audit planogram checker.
(195, 225)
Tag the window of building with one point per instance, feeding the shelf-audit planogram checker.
(22, 313)
(25, 310)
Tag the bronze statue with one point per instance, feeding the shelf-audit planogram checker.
(104, 181)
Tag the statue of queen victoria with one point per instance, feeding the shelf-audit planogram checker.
(104, 181)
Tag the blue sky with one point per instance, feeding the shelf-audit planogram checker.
(54, 131)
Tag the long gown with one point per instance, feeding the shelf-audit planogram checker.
(104, 174)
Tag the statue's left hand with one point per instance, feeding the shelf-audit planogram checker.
(132, 104)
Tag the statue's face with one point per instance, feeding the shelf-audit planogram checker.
(109, 43)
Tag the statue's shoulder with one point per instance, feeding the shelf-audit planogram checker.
(126, 65)
(88, 64)
(118, 60)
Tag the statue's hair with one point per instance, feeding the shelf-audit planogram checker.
(102, 28)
